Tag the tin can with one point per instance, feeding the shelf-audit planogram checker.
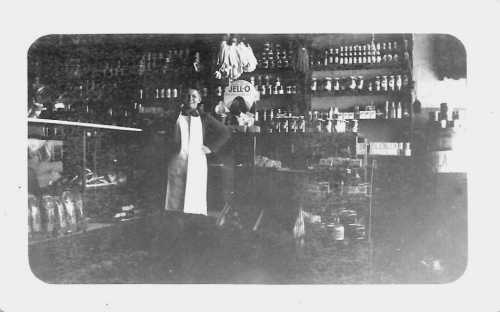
(174, 93)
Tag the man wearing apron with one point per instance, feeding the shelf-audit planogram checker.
(183, 236)
(195, 135)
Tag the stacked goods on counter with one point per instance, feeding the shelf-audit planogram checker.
(54, 215)
(335, 199)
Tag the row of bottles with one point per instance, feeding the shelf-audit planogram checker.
(274, 56)
(332, 121)
(387, 52)
(276, 121)
(167, 61)
(359, 85)
(387, 110)
(273, 85)
(103, 67)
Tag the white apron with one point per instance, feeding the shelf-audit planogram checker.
(187, 171)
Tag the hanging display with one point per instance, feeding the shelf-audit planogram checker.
(234, 59)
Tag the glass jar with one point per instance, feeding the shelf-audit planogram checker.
(352, 86)
(383, 83)
(360, 82)
(377, 83)
(391, 82)
(336, 85)
(398, 82)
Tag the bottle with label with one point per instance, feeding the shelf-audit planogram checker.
(377, 84)
(392, 111)
(386, 110)
(398, 82)
(336, 85)
(328, 85)
(330, 56)
(314, 85)
(406, 53)
(270, 123)
(406, 112)
(391, 83)
(399, 111)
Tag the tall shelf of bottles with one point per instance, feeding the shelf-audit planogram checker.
(314, 136)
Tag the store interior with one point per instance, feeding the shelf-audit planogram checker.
(344, 167)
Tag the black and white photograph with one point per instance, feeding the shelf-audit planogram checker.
(245, 157)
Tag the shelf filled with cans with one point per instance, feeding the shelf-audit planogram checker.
(373, 54)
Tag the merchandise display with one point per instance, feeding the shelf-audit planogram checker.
(314, 121)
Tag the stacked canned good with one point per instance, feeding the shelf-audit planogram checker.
(386, 52)
(343, 225)
(274, 56)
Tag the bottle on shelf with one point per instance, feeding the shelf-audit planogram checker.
(392, 111)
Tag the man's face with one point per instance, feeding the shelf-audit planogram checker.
(194, 98)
